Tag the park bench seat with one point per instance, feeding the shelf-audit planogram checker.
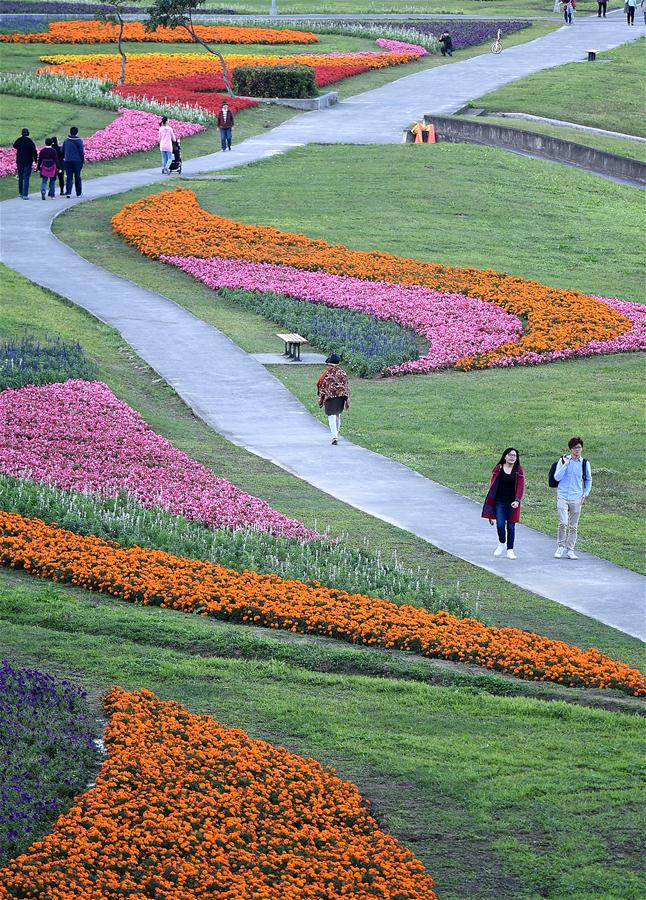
(292, 345)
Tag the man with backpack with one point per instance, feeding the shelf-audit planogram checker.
(572, 477)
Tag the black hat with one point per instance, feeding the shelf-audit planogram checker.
(334, 359)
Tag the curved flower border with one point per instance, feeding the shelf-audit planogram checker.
(156, 578)
(557, 320)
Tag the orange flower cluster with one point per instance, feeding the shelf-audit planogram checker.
(172, 223)
(145, 67)
(89, 32)
(185, 808)
(156, 578)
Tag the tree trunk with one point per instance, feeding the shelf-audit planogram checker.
(122, 76)
(225, 72)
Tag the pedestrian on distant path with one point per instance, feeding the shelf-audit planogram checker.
(629, 8)
(447, 44)
(334, 394)
(557, 6)
(643, 9)
(74, 156)
(166, 138)
(48, 167)
(574, 483)
(502, 503)
(225, 124)
(568, 10)
(61, 165)
(26, 156)
(601, 8)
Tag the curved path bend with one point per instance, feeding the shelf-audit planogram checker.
(236, 395)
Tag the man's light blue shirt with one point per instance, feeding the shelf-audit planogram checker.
(570, 479)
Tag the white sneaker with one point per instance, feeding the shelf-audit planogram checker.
(511, 554)
(500, 549)
(559, 552)
(571, 554)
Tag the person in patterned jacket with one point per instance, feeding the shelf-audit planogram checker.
(334, 394)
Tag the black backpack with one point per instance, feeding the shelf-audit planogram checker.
(551, 480)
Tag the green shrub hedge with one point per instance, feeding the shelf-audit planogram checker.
(274, 81)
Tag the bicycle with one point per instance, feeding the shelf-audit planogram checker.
(496, 47)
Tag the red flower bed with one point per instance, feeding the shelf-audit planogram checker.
(193, 90)
(203, 90)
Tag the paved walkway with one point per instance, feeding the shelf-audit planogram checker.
(236, 395)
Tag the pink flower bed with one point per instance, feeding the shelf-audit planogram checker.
(401, 47)
(455, 325)
(79, 436)
(631, 341)
(131, 132)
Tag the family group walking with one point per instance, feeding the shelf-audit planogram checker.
(53, 162)
(570, 475)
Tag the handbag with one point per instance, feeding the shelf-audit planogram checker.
(48, 168)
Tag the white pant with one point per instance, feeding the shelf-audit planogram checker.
(568, 513)
(335, 424)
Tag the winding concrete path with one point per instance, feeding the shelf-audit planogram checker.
(236, 395)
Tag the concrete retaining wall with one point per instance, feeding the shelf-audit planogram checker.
(456, 130)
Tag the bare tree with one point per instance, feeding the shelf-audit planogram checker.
(179, 14)
(117, 9)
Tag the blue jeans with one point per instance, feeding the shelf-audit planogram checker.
(52, 185)
(503, 513)
(24, 174)
(73, 171)
(167, 156)
(225, 138)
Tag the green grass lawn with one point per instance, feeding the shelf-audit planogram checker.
(498, 796)
(39, 312)
(567, 229)
(631, 149)
(607, 96)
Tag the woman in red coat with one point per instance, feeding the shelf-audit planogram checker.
(502, 505)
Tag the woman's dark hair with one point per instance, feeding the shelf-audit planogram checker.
(505, 452)
(574, 441)
(164, 119)
(54, 142)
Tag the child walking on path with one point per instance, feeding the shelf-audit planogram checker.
(502, 503)
(334, 394)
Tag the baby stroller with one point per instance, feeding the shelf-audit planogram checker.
(176, 164)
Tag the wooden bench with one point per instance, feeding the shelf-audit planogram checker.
(292, 345)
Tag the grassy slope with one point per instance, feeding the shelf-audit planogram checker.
(565, 92)
(631, 149)
(498, 796)
(133, 382)
(430, 422)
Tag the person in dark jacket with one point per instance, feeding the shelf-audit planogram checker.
(26, 156)
(447, 44)
(48, 167)
(74, 156)
(502, 504)
(61, 165)
(225, 124)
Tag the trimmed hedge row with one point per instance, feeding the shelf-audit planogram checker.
(275, 81)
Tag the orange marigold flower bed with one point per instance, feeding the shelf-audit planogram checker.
(88, 32)
(144, 67)
(184, 807)
(172, 223)
(156, 578)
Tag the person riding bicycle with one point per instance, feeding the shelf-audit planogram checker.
(447, 44)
